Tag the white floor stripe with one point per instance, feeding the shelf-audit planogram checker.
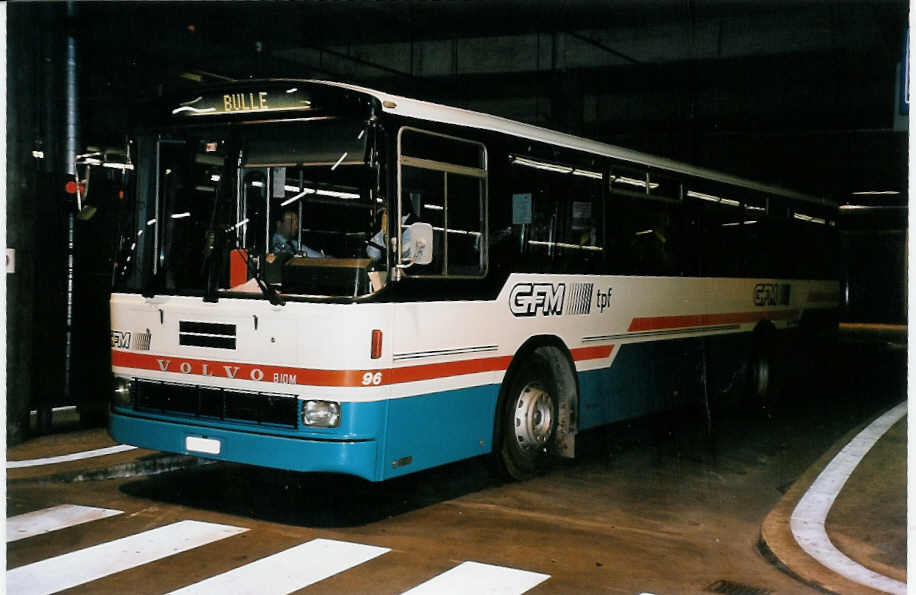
(92, 563)
(290, 570)
(810, 513)
(474, 577)
(53, 519)
(88, 454)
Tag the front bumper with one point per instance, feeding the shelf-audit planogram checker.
(352, 457)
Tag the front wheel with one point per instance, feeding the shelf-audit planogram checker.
(528, 419)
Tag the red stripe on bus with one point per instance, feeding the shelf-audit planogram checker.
(597, 352)
(243, 371)
(445, 369)
(658, 323)
(313, 377)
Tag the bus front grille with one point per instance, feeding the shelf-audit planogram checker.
(216, 403)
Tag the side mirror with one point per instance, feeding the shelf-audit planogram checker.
(417, 244)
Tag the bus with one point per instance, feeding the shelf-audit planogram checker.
(321, 277)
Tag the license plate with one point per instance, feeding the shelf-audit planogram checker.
(203, 445)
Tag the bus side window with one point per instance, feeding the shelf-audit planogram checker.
(534, 218)
(719, 230)
(580, 238)
(644, 237)
(556, 217)
(444, 183)
(776, 241)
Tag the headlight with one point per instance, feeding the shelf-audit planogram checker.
(322, 414)
(121, 391)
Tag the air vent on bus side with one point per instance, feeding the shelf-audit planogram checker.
(206, 334)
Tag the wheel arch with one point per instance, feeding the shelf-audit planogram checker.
(564, 373)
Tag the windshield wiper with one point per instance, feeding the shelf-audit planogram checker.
(269, 292)
(214, 249)
(214, 241)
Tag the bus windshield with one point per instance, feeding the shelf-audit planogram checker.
(257, 209)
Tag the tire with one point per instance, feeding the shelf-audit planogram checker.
(760, 374)
(763, 368)
(527, 424)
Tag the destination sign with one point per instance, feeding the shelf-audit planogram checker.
(245, 102)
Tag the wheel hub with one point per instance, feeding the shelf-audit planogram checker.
(533, 418)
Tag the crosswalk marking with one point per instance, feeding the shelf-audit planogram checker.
(474, 577)
(92, 563)
(53, 519)
(284, 572)
(289, 570)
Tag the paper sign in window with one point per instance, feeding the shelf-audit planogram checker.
(521, 209)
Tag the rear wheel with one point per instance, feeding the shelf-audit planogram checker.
(759, 374)
(764, 367)
(528, 420)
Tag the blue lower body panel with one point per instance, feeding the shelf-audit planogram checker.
(430, 430)
(644, 378)
(376, 440)
(353, 457)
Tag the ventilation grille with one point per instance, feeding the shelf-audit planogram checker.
(215, 403)
(206, 334)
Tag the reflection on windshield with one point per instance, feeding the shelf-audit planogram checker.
(280, 208)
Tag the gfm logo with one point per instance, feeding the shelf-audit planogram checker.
(528, 299)
(120, 339)
(772, 294)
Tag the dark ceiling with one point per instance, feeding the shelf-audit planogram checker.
(800, 93)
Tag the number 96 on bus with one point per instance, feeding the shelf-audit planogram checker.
(372, 378)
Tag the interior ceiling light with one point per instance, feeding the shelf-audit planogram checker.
(713, 198)
(632, 182)
(876, 193)
(554, 167)
(563, 169)
(871, 207)
(809, 218)
(587, 174)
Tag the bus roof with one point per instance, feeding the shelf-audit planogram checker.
(434, 112)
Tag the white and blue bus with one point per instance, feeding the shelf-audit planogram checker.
(326, 278)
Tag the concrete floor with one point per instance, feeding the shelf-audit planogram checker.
(649, 506)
